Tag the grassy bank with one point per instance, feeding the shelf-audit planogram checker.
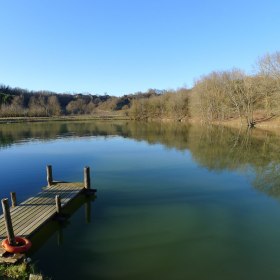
(61, 118)
(20, 271)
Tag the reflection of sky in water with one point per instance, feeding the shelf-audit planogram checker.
(160, 213)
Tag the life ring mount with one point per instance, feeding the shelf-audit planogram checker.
(22, 245)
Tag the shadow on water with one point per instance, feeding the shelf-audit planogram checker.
(57, 227)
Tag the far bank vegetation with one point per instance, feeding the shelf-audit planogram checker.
(223, 95)
(216, 97)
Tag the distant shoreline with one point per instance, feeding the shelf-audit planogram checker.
(61, 118)
(270, 124)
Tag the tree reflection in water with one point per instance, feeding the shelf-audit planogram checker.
(214, 147)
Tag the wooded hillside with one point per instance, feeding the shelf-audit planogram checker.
(218, 96)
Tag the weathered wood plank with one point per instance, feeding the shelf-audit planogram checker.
(32, 214)
(34, 209)
(39, 221)
(38, 214)
(38, 211)
(60, 189)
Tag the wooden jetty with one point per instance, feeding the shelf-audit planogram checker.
(29, 216)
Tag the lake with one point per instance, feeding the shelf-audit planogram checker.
(174, 201)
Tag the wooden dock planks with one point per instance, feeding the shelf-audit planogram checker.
(33, 213)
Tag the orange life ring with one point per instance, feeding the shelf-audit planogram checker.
(22, 245)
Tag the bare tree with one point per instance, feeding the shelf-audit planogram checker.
(269, 65)
(268, 71)
(38, 106)
(53, 106)
(76, 107)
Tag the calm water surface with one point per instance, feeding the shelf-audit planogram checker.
(174, 201)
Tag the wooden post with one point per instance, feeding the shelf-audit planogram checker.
(87, 178)
(14, 199)
(49, 175)
(58, 204)
(8, 221)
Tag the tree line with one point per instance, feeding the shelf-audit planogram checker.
(16, 102)
(169, 104)
(217, 96)
(222, 95)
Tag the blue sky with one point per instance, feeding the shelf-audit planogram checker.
(124, 46)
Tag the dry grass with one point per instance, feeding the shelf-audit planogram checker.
(20, 271)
